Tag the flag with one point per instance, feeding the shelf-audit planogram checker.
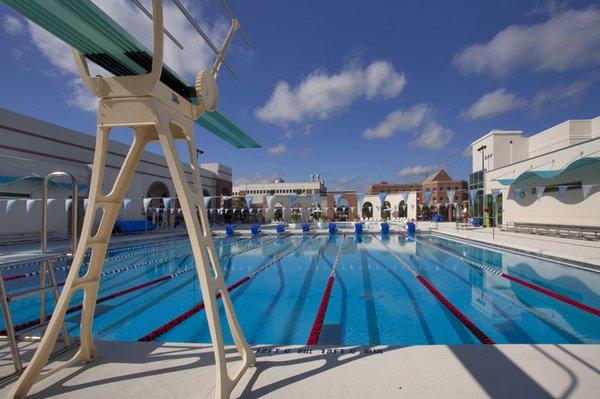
(28, 205)
(518, 193)
(207, 201)
(9, 204)
(270, 199)
(315, 198)
(562, 190)
(450, 194)
(382, 196)
(126, 203)
(85, 203)
(585, 190)
(146, 202)
(473, 194)
(336, 199)
(68, 203)
(539, 191)
(495, 193)
(427, 196)
(293, 199)
(249, 199)
(360, 198)
(49, 201)
(404, 195)
(167, 202)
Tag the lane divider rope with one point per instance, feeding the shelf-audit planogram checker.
(72, 309)
(315, 331)
(537, 288)
(480, 335)
(151, 336)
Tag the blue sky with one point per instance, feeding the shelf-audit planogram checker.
(358, 92)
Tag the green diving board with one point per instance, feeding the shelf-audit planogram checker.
(85, 27)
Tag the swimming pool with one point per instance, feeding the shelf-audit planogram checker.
(385, 290)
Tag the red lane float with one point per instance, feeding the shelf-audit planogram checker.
(151, 336)
(537, 288)
(554, 295)
(476, 331)
(481, 336)
(315, 331)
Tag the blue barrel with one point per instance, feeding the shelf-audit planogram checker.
(229, 229)
(358, 228)
(280, 228)
(385, 228)
(411, 228)
(332, 228)
(255, 229)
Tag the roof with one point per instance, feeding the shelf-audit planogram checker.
(438, 175)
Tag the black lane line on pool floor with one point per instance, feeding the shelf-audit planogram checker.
(481, 336)
(75, 308)
(535, 287)
(315, 332)
(189, 313)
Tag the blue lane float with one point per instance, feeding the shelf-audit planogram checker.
(255, 229)
(385, 228)
(333, 228)
(306, 227)
(411, 228)
(230, 230)
(358, 228)
(280, 228)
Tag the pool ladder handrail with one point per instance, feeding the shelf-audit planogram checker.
(45, 263)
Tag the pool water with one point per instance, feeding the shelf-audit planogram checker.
(375, 297)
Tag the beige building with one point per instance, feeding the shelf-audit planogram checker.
(30, 149)
(552, 177)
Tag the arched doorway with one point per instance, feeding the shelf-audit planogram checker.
(278, 213)
(386, 211)
(402, 211)
(342, 210)
(367, 210)
(155, 212)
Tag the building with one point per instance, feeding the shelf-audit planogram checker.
(30, 149)
(438, 183)
(552, 177)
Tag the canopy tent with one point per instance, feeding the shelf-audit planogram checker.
(552, 173)
(85, 27)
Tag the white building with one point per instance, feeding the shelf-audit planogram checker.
(30, 149)
(552, 177)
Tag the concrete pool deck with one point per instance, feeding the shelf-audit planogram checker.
(580, 252)
(171, 370)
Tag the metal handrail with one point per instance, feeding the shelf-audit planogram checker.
(44, 240)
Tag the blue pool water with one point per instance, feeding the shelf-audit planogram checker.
(375, 299)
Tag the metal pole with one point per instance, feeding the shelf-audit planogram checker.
(44, 240)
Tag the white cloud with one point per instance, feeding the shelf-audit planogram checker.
(566, 40)
(187, 62)
(80, 97)
(399, 121)
(467, 152)
(562, 94)
(433, 137)
(494, 103)
(419, 119)
(278, 149)
(306, 151)
(257, 178)
(321, 95)
(12, 25)
(416, 170)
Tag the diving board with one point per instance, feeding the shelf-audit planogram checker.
(85, 27)
(151, 100)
